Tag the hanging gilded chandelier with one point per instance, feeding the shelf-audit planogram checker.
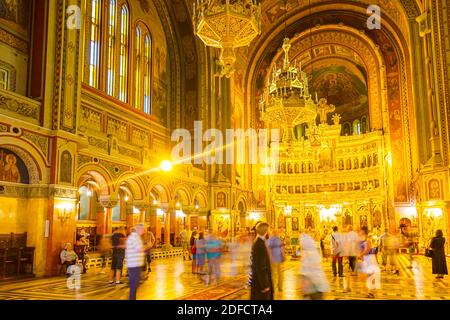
(227, 25)
(286, 99)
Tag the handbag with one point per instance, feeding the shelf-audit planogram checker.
(194, 250)
(429, 252)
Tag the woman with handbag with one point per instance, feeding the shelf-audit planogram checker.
(439, 263)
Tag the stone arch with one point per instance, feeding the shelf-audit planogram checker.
(186, 195)
(135, 184)
(202, 197)
(100, 176)
(390, 47)
(161, 190)
(31, 156)
(242, 199)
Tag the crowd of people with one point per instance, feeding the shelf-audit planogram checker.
(351, 253)
(261, 254)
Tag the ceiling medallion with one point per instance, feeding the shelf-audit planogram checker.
(227, 25)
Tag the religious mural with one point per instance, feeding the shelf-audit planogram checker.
(12, 168)
(342, 88)
(65, 167)
(434, 189)
(221, 200)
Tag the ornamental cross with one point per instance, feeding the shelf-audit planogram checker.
(323, 109)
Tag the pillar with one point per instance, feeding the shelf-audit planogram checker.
(104, 219)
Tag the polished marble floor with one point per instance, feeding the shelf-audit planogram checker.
(172, 279)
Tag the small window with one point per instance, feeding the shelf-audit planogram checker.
(123, 58)
(4, 79)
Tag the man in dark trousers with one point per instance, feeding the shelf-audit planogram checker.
(261, 283)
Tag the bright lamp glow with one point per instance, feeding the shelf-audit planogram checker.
(329, 213)
(179, 213)
(126, 198)
(166, 165)
(434, 212)
(159, 212)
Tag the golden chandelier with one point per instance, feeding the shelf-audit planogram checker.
(227, 25)
(286, 100)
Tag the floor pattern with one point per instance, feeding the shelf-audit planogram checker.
(172, 279)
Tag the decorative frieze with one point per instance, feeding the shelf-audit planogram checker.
(139, 137)
(40, 141)
(13, 41)
(98, 143)
(114, 169)
(82, 160)
(90, 119)
(19, 105)
(117, 128)
(130, 153)
(23, 191)
(63, 192)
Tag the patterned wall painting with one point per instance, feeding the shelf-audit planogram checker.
(12, 168)
(395, 116)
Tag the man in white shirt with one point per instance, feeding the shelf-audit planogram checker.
(135, 257)
(336, 252)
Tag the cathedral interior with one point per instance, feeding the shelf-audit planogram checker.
(92, 92)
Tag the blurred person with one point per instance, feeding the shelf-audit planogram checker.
(336, 252)
(149, 242)
(233, 248)
(314, 281)
(439, 262)
(391, 245)
(193, 251)
(276, 250)
(118, 255)
(353, 248)
(135, 258)
(261, 274)
(408, 243)
(369, 262)
(213, 254)
(82, 247)
(184, 243)
(68, 257)
(200, 245)
(382, 248)
(325, 244)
